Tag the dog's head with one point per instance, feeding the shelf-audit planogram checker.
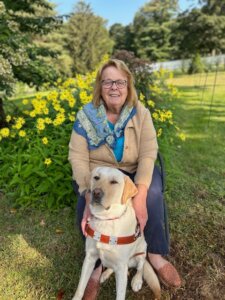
(110, 186)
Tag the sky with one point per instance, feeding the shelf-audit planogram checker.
(115, 11)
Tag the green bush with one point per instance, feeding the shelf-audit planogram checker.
(196, 65)
(34, 147)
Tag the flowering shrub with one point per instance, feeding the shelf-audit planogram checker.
(158, 99)
(34, 147)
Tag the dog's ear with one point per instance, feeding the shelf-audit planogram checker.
(129, 191)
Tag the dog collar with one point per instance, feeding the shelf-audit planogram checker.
(112, 240)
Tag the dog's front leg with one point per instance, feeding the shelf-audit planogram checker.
(121, 281)
(87, 268)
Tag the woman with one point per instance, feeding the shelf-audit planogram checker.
(116, 130)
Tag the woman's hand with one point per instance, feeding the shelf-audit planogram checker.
(139, 205)
(87, 213)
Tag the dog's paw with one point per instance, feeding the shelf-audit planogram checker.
(105, 275)
(136, 283)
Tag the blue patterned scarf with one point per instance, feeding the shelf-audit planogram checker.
(92, 123)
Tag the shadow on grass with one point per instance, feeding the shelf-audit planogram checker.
(41, 253)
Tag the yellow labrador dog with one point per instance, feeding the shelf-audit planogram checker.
(113, 235)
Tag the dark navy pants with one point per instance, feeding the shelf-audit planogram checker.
(156, 230)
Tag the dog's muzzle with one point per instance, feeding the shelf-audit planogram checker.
(97, 195)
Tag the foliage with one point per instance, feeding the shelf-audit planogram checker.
(152, 29)
(54, 41)
(122, 37)
(34, 145)
(159, 33)
(19, 58)
(87, 38)
(140, 68)
(201, 30)
(196, 65)
(159, 100)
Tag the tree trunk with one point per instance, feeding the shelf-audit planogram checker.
(3, 122)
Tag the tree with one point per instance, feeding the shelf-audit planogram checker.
(56, 41)
(213, 7)
(201, 30)
(88, 39)
(20, 59)
(152, 29)
(122, 37)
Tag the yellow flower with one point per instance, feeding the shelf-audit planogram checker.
(32, 114)
(71, 118)
(71, 102)
(151, 103)
(142, 97)
(18, 123)
(45, 141)
(4, 132)
(48, 161)
(169, 114)
(52, 96)
(80, 82)
(69, 82)
(8, 118)
(155, 116)
(48, 121)
(38, 96)
(25, 101)
(159, 132)
(182, 136)
(46, 111)
(57, 106)
(40, 124)
(22, 133)
(60, 118)
(162, 117)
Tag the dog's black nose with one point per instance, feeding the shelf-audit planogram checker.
(97, 195)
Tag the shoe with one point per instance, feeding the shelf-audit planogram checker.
(169, 276)
(92, 289)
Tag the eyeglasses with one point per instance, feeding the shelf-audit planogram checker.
(120, 84)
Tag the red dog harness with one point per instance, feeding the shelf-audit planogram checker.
(112, 240)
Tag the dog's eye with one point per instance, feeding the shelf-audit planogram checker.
(96, 177)
(113, 181)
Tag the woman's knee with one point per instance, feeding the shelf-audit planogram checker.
(155, 193)
(155, 198)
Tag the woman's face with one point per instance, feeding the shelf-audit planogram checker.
(116, 94)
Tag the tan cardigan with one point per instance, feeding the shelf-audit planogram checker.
(139, 155)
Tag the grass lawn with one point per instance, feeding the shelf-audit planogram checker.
(41, 253)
